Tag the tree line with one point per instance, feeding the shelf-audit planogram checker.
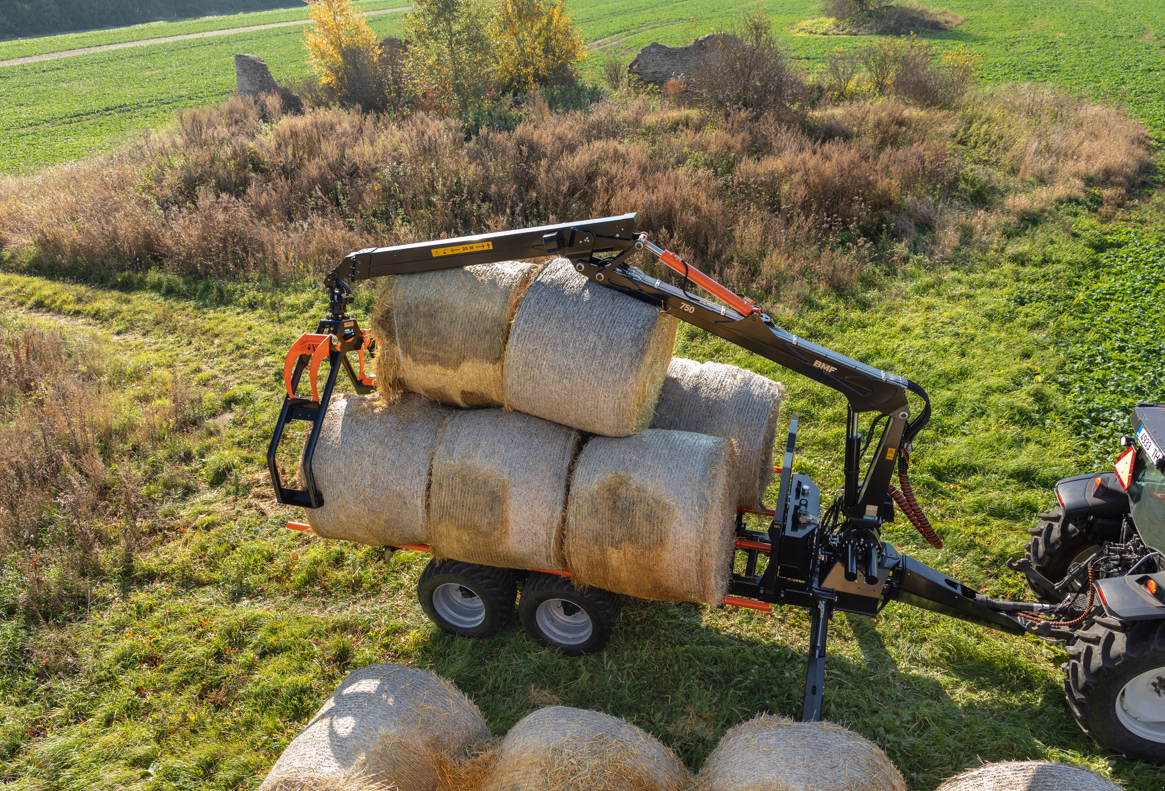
(20, 18)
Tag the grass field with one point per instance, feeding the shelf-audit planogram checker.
(62, 110)
(199, 635)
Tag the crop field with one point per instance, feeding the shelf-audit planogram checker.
(56, 111)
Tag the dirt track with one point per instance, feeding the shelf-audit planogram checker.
(68, 53)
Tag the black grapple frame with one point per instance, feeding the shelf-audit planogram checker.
(823, 562)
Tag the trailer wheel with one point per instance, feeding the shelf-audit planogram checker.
(1116, 688)
(1056, 547)
(575, 621)
(466, 599)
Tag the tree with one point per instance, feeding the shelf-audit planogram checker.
(343, 50)
(535, 43)
(450, 55)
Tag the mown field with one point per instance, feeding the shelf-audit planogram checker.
(191, 636)
(66, 109)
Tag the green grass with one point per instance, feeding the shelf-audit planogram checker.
(42, 45)
(196, 668)
(68, 109)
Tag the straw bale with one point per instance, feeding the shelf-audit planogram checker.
(776, 754)
(444, 333)
(729, 402)
(653, 516)
(1028, 776)
(585, 356)
(564, 749)
(372, 467)
(498, 490)
(386, 724)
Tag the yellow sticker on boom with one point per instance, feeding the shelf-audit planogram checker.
(462, 248)
(890, 454)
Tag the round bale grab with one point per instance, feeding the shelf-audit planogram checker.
(586, 357)
(565, 749)
(371, 466)
(386, 726)
(1028, 776)
(498, 489)
(729, 402)
(443, 334)
(772, 753)
(653, 515)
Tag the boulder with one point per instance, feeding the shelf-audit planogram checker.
(656, 63)
(253, 78)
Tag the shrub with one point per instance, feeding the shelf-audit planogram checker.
(747, 70)
(936, 79)
(535, 43)
(343, 50)
(450, 58)
(844, 9)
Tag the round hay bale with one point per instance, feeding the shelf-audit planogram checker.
(653, 515)
(372, 467)
(585, 356)
(772, 753)
(1028, 776)
(387, 725)
(729, 402)
(443, 334)
(498, 490)
(564, 749)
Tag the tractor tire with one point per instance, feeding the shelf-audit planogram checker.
(1116, 688)
(1057, 545)
(575, 621)
(466, 599)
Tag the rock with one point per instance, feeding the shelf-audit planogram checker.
(656, 63)
(253, 78)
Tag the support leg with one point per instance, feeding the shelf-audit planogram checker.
(815, 674)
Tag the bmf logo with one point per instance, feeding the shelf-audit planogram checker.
(824, 366)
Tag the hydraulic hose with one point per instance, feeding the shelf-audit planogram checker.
(910, 506)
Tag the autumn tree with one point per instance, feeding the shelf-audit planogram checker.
(535, 43)
(450, 56)
(343, 50)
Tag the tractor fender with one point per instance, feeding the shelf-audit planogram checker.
(1127, 599)
(1095, 494)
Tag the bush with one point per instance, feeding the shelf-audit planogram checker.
(535, 43)
(450, 57)
(747, 70)
(343, 50)
(844, 9)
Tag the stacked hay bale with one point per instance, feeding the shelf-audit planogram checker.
(653, 515)
(564, 749)
(443, 334)
(729, 402)
(585, 356)
(371, 465)
(773, 752)
(499, 489)
(386, 726)
(1028, 776)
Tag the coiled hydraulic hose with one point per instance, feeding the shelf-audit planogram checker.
(910, 506)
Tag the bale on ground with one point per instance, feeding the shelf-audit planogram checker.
(772, 753)
(565, 749)
(585, 356)
(443, 334)
(387, 725)
(729, 402)
(498, 491)
(653, 515)
(1028, 776)
(371, 465)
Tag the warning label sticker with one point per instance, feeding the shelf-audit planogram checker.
(462, 248)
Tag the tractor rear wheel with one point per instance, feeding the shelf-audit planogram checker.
(1116, 688)
(1057, 547)
(466, 599)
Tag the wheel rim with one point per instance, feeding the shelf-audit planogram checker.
(1140, 706)
(1081, 557)
(458, 605)
(564, 622)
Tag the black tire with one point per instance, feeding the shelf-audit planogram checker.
(1057, 545)
(1116, 688)
(575, 621)
(466, 599)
